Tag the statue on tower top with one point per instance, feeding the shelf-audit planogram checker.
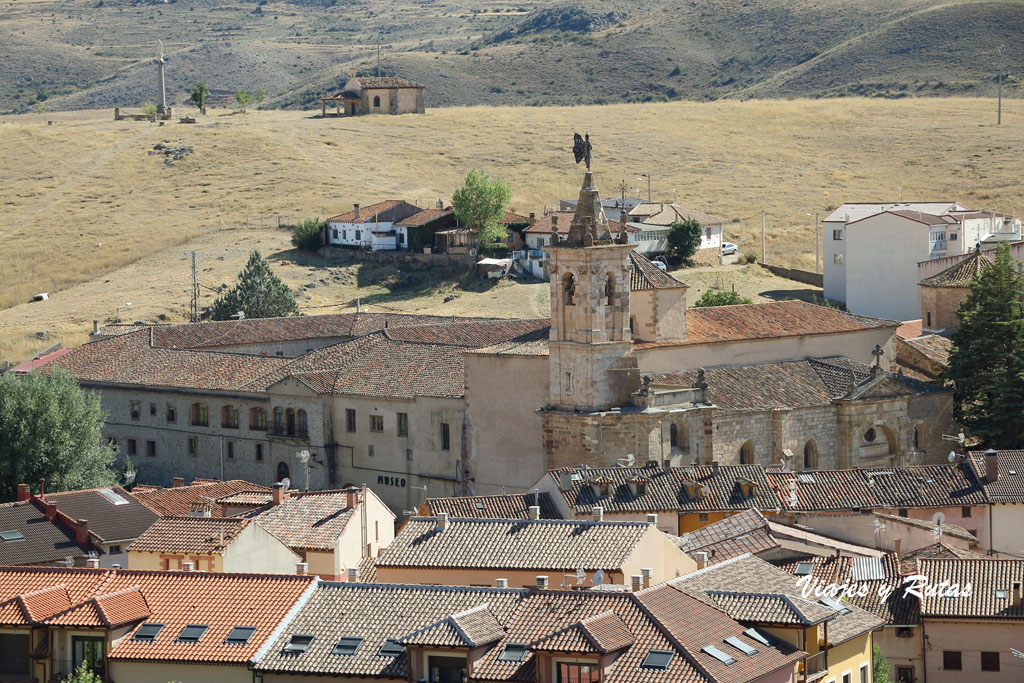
(581, 148)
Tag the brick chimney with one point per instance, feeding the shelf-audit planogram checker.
(991, 466)
(355, 211)
(82, 532)
(637, 582)
(23, 493)
(440, 203)
(352, 499)
(501, 583)
(542, 583)
(648, 575)
(701, 559)
(278, 494)
(188, 566)
(199, 509)
(92, 563)
(50, 511)
(42, 486)
(598, 513)
(177, 482)
(534, 512)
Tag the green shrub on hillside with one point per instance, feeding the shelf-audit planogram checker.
(716, 298)
(308, 235)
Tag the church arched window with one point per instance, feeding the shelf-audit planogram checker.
(376, 100)
(609, 290)
(811, 455)
(569, 289)
(747, 453)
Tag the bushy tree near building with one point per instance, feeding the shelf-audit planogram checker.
(83, 674)
(481, 203)
(684, 238)
(199, 92)
(986, 363)
(308, 235)
(714, 297)
(243, 98)
(258, 294)
(51, 428)
(879, 666)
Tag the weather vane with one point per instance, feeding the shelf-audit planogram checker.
(581, 148)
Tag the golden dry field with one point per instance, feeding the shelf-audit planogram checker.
(90, 216)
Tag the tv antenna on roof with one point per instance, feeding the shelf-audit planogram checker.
(628, 461)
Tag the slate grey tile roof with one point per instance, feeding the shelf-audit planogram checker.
(770, 608)
(985, 577)
(880, 487)
(742, 533)
(109, 521)
(717, 489)
(748, 574)
(645, 275)
(337, 610)
(1009, 485)
(546, 544)
(44, 541)
(498, 506)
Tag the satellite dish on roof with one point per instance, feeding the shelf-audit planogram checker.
(598, 577)
(939, 518)
(286, 483)
(952, 456)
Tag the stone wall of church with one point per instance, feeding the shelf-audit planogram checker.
(769, 433)
(733, 430)
(932, 416)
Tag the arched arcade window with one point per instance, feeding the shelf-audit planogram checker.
(376, 100)
(747, 453)
(569, 289)
(282, 471)
(811, 455)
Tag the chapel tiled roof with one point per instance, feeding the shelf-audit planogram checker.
(545, 544)
(174, 599)
(177, 501)
(645, 275)
(337, 610)
(984, 576)
(386, 82)
(960, 274)
(43, 542)
(1009, 484)
(198, 535)
(752, 575)
(310, 521)
(714, 488)
(367, 214)
(110, 521)
(879, 487)
(498, 506)
(744, 532)
(530, 344)
(897, 609)
(770, 320)
(934, 347)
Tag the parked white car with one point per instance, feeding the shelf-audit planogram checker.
(728, 248)
(661, 265)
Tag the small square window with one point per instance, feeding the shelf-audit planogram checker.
(136, 409)
(151, 449)
(990, 661)
(231, 450)
(376, 423)
(702, 517)
(512, 653)
(131, 446)
(408, 454)
(346, 647)
(903, 512)
(951, 660)
(114, 550)
(298, 644)
(837, 234)
(837, 259)
(192, 633)
(965, 511)
(240, 635)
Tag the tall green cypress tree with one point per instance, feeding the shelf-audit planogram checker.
(986, 364)
(259, 294)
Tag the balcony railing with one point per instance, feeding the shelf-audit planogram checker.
(294, 432)
(815, 666)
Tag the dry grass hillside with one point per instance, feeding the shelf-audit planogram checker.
(83, 199)
(82, 54)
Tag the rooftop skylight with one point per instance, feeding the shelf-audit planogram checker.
(512, 653)
(718, 654)
(741, 646)
(835, 604)
(240, 635)
(658, 660)
(390, 649)
(112, 497)
(12, 536)
(804, 568)
(147, 633)
(192, 633)
(298, 644)
(347, 646)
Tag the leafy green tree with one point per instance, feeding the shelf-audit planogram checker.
(199, 93)
(83, 674)
(986, 363)
(51, 428)
(149, 110)
(308, 235)
(259, 98)
(879, 666)
(480, 203)
(259, 294)
(243, 98)
(716, 298)
(684, 238)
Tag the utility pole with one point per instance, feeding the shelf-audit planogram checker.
(194, 308)
(999, 78)
(762, 239)
(378, 54)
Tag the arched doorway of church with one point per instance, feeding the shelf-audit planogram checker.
(810, 455)
(282, 471)
(747, 453)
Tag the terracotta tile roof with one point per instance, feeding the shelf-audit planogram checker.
(984, 576)
(310, 521)
(744, 532)
(470, 333)
(1009, 484)
(367, 214)
(713, 488)
(38, 361)
(530, 344)
(892, 487)
(109, 520)
(424, 217)
(771, 320)
(470, 628)
(897, 609)
(553, 545)
(960, 274)
(111, 610)
(40, 605)
(940, 550)
(177, 501)
(771, 608)
(337, 610)
(201, 535)
(500, 506)
(247, 498)
(754, 576)
(601, 633)
(44, 541)
(58, 589)
(645, 275)
(934, 347)
(512, 218)
(909, 329)
(174, 599)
